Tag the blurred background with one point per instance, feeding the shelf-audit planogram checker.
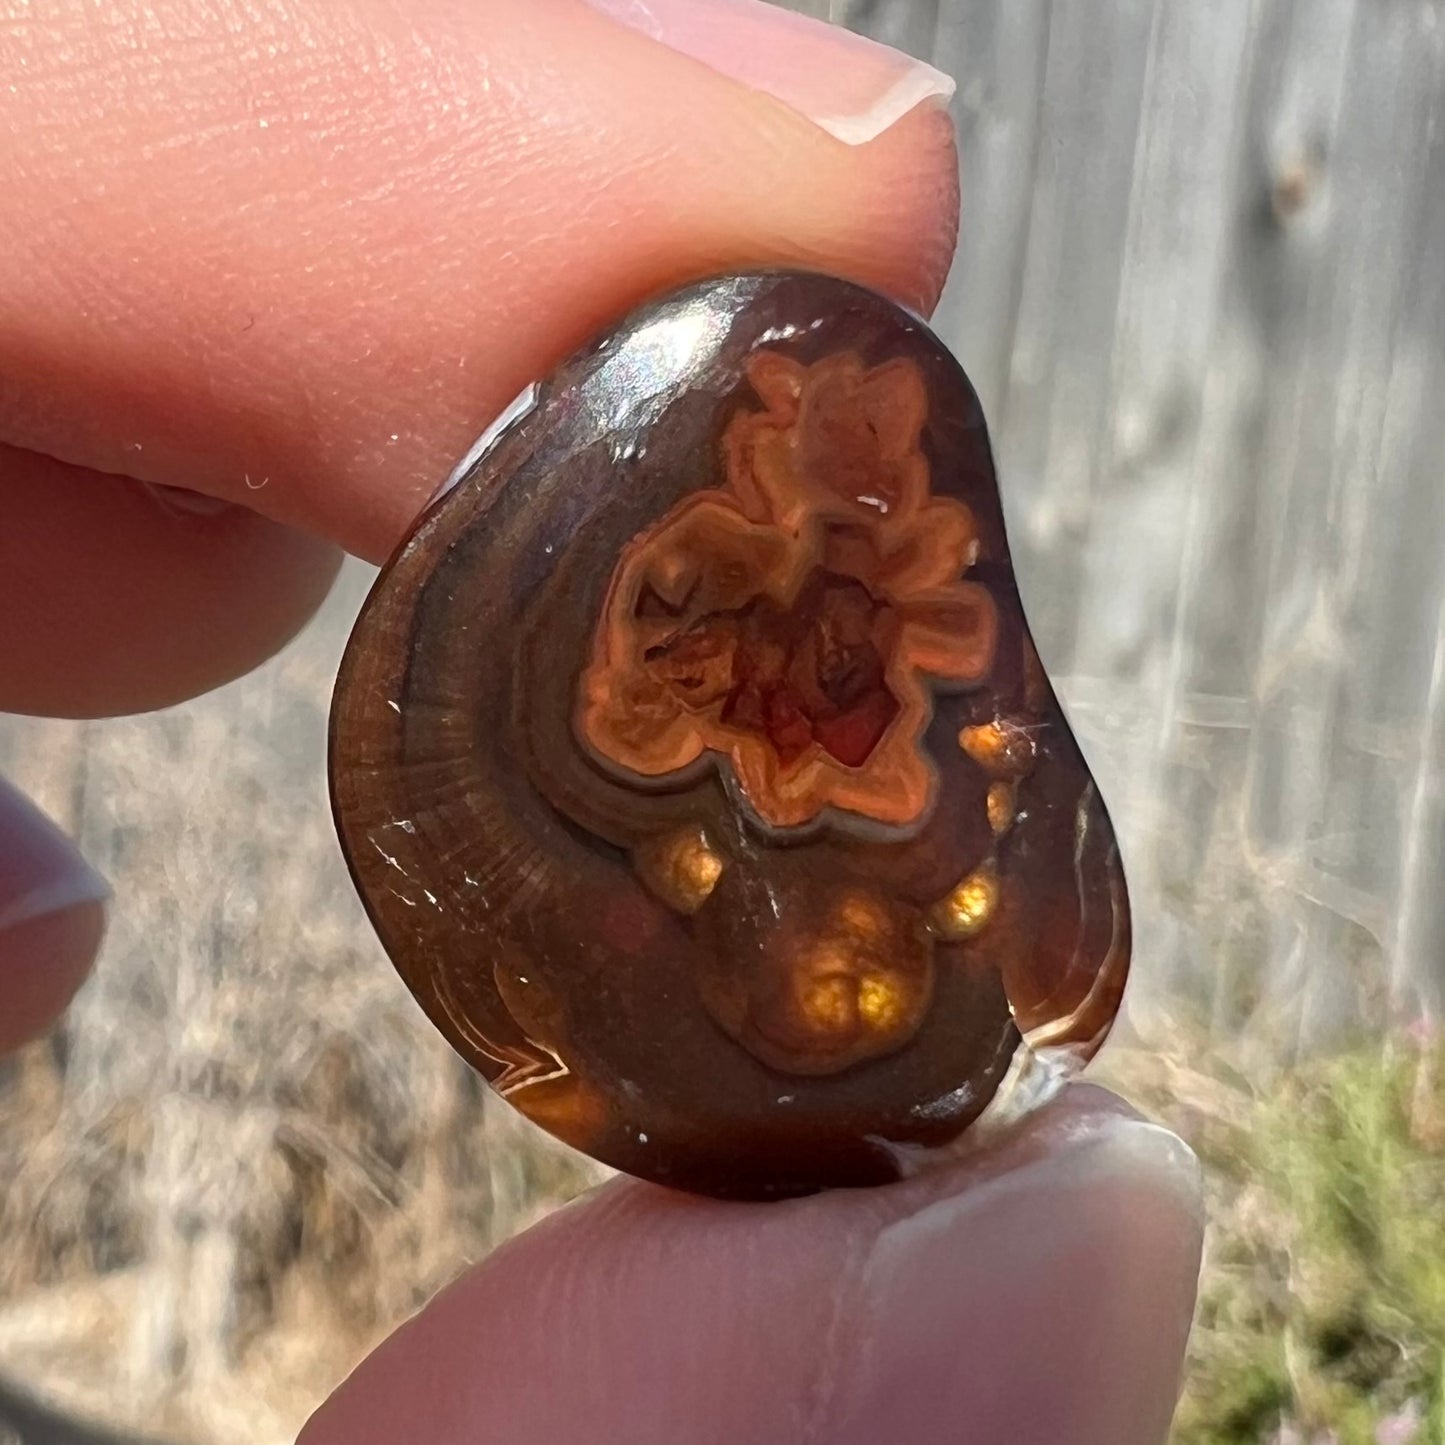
(1201, 291)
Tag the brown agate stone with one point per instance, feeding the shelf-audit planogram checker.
(697, 770)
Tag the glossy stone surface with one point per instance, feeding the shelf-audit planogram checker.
(696, 767)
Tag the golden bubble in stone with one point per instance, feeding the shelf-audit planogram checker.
(681, 868)
(880, 1002)
(846, 984)
(965, 911)
(1002, 747)
(830, 1003)
(1001, 806)
(702, 868)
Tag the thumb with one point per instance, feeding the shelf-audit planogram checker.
(298, 256)
(1038, 1294)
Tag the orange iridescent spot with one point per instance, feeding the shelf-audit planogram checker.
(789, 620)
(969, 906)
(681, 868)
(1002, 806)
(1003, 748)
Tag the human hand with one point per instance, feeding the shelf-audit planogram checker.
(264, 272)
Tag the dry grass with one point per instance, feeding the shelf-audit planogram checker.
(208, 1266)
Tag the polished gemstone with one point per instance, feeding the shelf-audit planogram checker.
(697, 769)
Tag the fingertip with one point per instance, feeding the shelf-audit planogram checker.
(889, 192)
(119, 598)
(367, 236)
(1037, 1292)
(1048, 1304)
(904, 212)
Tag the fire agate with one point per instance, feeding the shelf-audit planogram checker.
(697, 769)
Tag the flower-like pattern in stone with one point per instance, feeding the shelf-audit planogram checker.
(790, 620)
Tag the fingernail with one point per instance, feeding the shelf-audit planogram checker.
(41, 871)
(1051, 1303)
(52, 919)
(854, 88)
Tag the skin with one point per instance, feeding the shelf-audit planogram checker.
(291, 260)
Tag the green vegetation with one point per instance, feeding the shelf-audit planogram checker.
(1322, 1319)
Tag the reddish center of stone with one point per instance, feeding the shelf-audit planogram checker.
(814, 672)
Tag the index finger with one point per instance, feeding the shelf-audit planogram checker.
(297, 257)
